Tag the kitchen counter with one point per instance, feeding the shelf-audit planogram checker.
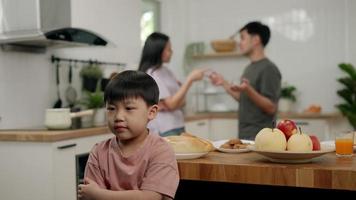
(327, 171)
(43, 135)
(233, 115)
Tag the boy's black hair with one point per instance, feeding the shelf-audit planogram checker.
(257, 28)
(132, 84)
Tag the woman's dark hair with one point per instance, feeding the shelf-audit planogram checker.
(257, 28)
(132, 84)
(152, 51)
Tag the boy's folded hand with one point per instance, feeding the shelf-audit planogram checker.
(87, 190)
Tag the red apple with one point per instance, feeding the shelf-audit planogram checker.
(316, 143)
(288, 127)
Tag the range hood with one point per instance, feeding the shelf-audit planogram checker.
(34, 25)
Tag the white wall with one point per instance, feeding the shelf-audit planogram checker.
(175, 22)
(27, 84)
(308, 39)
(351, 43)
(25, 88)
(27, 80)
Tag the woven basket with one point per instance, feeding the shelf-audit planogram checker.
(227, 45)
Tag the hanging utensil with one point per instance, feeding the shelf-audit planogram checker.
(58, 103)
(71, 93)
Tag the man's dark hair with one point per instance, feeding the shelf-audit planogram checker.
(132, 84)
(257, 28)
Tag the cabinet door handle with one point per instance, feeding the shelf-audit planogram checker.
(67, 146)
(201, 123)
(302, 123)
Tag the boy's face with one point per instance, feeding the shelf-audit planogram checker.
(128, 119)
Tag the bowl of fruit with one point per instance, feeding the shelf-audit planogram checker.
(285, 144)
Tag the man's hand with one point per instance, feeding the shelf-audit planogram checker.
(245, 84)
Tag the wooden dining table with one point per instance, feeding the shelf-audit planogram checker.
(324, 172)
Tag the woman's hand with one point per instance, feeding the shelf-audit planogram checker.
(216, 79)
(88, 190)
(196, 74)
(178, 99)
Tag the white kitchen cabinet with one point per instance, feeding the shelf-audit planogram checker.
(64, 164)
(213, 129)
(318, 127)
(200, 128)
(64, 169)
(222, 129)
(42, 170)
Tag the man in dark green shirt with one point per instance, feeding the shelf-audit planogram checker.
(259, 90)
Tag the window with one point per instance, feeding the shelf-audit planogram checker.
(149, 18)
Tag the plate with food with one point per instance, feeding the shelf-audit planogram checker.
(233, 145)
(189, 146)
(293, 156)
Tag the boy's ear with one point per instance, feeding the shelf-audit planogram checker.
(152, 113)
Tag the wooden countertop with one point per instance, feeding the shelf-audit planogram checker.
(327, 171)
(50, 135)
(233, 115)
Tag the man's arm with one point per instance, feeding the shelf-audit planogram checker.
(218, 80)
(228, 88)
(261, 101)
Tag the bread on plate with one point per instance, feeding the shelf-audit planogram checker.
(187, 143)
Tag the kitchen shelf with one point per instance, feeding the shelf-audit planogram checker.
(208, 99)
(217, 55)
(205, 100)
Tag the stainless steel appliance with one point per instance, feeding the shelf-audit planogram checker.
(34, 25)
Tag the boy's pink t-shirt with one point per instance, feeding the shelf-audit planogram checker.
(152, 167)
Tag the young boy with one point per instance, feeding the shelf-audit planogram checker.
(135, 164)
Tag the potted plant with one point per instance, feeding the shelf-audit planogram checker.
(348, 93)
(91, 74)
(95, 101)
(287, 97)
